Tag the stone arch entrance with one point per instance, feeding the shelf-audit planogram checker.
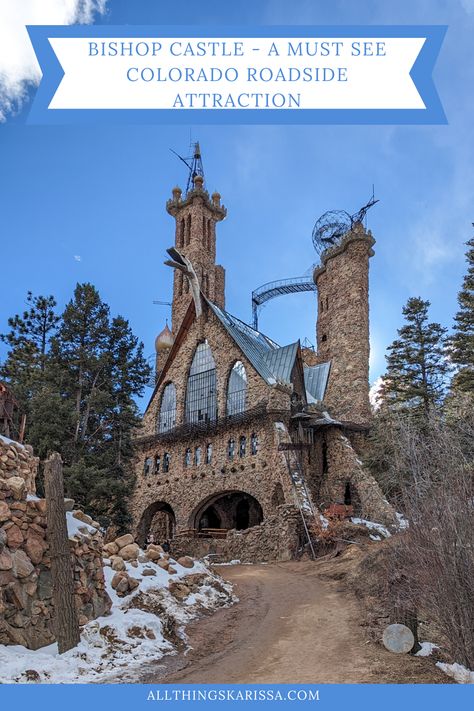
(228, 509)
(159, 519)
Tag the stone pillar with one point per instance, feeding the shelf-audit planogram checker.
(195, 237)
(342, 330)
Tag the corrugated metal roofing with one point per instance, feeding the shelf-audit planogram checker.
(316, 379)
(281, 361)
(272, 362)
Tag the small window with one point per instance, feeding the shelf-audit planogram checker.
(147, 466)
(187, 458)
(254, 443)
(242, 446)
(324, 338)
(231, 448)
(166, 462)
(322, 306)
(197, 456)
(209, 453)
(157, 464)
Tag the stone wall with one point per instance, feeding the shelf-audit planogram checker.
(26, 611)
(345, 467)
(278, 537)
(343, 324)
(196, 216)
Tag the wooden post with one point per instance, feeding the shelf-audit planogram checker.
(62, 573)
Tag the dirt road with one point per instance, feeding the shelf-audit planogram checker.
(291, 626)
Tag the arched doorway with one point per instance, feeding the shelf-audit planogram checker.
(159, 520)
(227, 510)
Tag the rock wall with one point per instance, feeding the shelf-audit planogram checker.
(26, 608)
(278, 537)
(345, 467)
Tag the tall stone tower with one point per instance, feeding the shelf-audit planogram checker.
(196, 215)
(342, 330)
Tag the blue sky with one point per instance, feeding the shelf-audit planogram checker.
(98, 192)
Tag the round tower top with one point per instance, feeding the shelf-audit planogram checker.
(177, 191)
(198, 182)
(164, 340)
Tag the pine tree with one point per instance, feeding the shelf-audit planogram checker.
(29, 341)
(417, 367)
(462, 340)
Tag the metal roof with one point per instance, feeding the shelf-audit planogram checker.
(272, 362)
(316, 379)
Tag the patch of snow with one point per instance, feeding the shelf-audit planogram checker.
(11, 441)
(457, 672)
(402, 522)
(76, 527)
(124, 640)
(374, 538)
(324, 522)
(372, 526)
(427, 648)
(280, 426)
(32, 497)
(232, 562)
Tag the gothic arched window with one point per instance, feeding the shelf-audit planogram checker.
(237, 389)
(231, 448)
(254, 443)
(197, 456)
(187, 457)
(209, 453)
(242, 446)
(201, 392)
(167, 418)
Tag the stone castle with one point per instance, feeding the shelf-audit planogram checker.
(243, 439)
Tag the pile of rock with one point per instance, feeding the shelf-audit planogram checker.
(26, 611)
(124, 550)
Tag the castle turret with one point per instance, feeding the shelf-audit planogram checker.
(342, 329)
(196, 216)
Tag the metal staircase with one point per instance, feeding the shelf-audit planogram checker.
(301, 494)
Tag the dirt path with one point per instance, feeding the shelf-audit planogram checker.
(290, 626)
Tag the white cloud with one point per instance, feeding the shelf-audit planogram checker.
(19, 68)
(77, 257)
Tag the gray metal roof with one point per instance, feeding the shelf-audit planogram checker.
(281, 361)
(272, 362)
(316, 379)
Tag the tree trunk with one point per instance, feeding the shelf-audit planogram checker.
(65, 614)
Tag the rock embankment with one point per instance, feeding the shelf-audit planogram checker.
(26, 612)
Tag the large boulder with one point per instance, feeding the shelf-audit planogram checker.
(186, 561)
(5, 513)
(130, 552)
(125, 540)
(111, 549)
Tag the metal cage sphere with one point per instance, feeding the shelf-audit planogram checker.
(329, 229)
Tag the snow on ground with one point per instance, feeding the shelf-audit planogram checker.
(126, 638)
(402, 522)
(457, 672)
(11, 441)
(76, 527)
(372, 526)
(427, 648)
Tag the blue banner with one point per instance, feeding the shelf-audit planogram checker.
(231, 75)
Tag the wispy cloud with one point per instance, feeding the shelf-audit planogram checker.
(19, 69)
(77, 257)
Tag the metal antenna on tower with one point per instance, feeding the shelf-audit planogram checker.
(194, 165)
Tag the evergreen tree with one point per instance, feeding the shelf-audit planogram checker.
(29, 341)
(462, 340)
(78, 376)
(417, 367)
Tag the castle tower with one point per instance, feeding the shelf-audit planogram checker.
(196, 216)
(342, 330)
(163, 344)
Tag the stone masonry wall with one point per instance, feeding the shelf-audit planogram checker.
(343, 325)
(196, 216)
(278, 537)
(26, 611)
(344, 466)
